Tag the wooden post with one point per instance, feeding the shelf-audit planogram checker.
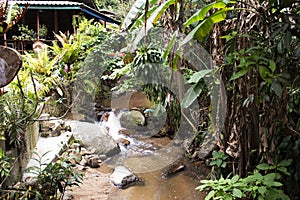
(55, 21)
(38, 24)
(4, 38)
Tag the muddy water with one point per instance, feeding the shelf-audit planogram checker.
(138, 156)
(180, 186)
(149, 162)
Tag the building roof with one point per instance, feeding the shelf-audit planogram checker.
(63, 5)
(89, 3)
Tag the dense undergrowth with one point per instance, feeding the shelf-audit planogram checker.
(257, 58)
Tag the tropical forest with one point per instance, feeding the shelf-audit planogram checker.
(150, 99)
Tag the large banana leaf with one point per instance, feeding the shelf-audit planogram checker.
(152, 21)
(201, 14)
(141, 19)
(136, 9)
(206, 22)
(204, 27)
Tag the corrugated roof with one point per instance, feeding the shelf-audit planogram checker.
(87, 2)
(50, 3)
(61, 5)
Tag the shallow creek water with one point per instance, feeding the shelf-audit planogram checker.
(148, 159)
(180, 186)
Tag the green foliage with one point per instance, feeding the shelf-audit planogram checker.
(50, 182)
(43, 30)
(256, 185)
(206, 22)
(154, 14)
(4, 164)
(289, 147)
(91, 34)
(69, 48)
(25, 33)
(73, 49)
(15, 114)
(218, 162)
(45, 71)
(119, 7)
(55, 177)
(134, 12)
(278, 168)
(198, 85)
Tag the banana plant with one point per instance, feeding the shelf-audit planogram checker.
(206, 22)
(151, 21)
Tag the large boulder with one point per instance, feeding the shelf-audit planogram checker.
(96, 139)
(132, 119)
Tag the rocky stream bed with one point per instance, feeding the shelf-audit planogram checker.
(118, 165)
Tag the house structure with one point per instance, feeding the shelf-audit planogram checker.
(55, 16)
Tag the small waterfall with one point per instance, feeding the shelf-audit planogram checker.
(112, 123)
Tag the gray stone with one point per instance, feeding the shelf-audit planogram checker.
(132, 119)
(208, 146)
(93, 161)
(123, 178)
(95, 138)
(102, 157)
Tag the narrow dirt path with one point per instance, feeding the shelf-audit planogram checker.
(96, 185)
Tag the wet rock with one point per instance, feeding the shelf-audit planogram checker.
(55, 130)
(208, 146)
(80, 167)
(83, 161)
(93, 161)
(126, 132)
(123, 178)
(68, 128)
(52, 128)
(102, 157)
(68, 195)
(132, 119)
(124, 141)
(173, 168)
(96, 139)
(84, 151)
(75, 146)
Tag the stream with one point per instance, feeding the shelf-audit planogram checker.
(148, 159)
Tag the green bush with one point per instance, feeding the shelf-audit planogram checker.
(255, 186)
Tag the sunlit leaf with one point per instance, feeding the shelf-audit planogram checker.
(195, 78)
(204, 27)
(170, 46)
(191, 95)
(263, 166)
(285, 163)
(201, 14)
(237, 193)
(210, 195)
(272, 65)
